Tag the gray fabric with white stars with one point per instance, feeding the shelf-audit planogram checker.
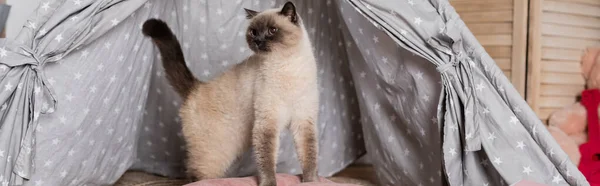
(402, 79)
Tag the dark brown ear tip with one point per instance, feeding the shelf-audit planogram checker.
(289, 3)
(250, 13)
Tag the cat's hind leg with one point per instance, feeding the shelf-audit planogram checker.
(213, 146)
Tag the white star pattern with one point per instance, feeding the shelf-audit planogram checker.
(425, 98)
(114, 22)
(520, 145)
(384, 60)
(206, 73)
(55, 142)
(63, 119)
(514, 120)
(418, 21)
(3, 54)
(78, 75)
(479, 87)
(452, 151)
(556, 179)
(32, 25)
(527, 170)
(113, 78)
(454, 127)
(469, 135)
(419, 75)
(84, 53)
(492, 136)
(497, 161)
(46, 6)
(58, 38)
(77, 2)
(47, 163)
(8, 87)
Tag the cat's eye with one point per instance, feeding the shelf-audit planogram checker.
(272, 30)
(252, 32)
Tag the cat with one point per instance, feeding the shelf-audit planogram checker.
(248, 105)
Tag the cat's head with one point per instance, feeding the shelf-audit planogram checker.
(274, 29)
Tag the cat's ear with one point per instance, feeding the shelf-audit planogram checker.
(250, 13)
(289, 11)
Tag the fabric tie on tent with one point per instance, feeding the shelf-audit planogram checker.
(455, 74)
(34, 62)
(26, 94)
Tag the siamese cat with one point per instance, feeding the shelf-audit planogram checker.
(248, 105)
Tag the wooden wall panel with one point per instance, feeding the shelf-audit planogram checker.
(559, 32)
(501, 27)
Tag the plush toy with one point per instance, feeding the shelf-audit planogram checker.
(569, 124)
(566, 144)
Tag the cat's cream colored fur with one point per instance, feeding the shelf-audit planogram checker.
(250, 104)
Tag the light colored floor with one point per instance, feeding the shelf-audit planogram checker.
(354, 174)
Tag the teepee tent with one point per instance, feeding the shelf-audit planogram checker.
(84, 96)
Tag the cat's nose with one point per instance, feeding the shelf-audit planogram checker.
(258, 42)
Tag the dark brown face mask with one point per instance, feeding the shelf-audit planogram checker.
(264, 31)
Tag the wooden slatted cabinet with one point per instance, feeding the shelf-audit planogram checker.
(559, 32)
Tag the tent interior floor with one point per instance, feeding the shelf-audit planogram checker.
(354, 174)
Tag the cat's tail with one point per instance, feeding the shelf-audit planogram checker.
(177, 72)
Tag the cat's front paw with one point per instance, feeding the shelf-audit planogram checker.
(310, 178)
(267, 182)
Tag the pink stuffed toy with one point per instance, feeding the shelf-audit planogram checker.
(566, 143)
(569, 124)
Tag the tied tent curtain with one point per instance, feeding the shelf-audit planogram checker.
(59, 28)
(490, 136)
